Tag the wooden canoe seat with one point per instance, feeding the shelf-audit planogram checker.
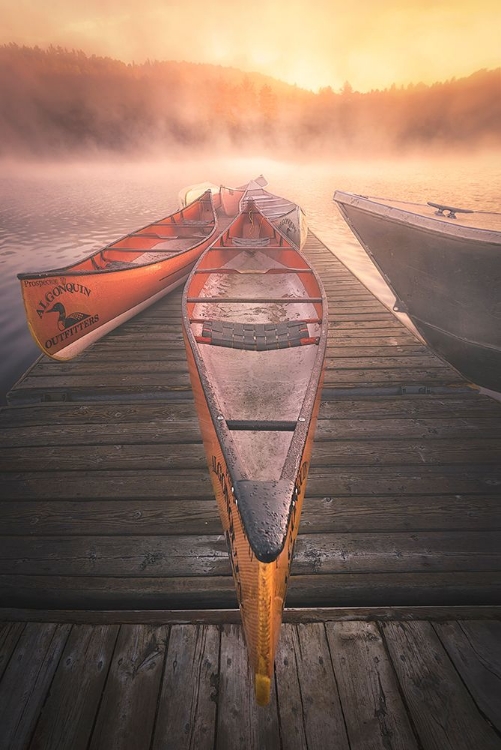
(256, 336)
(156, 236)
(116, 265)
(250, 242)
(191, 222)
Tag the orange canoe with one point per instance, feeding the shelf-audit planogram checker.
(255, 328)
(69, 308)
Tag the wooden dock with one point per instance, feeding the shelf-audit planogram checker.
(339, 685)
(121, 628)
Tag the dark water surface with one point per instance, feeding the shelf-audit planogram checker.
(51, 215)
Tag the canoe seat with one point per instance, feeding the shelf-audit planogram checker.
(256, 336)
(116, 265)
(251, 241)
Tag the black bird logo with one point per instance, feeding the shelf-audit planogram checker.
(66, 321)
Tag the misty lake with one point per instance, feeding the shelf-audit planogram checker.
(52, 214)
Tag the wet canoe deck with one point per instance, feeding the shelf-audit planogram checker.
(118, 602)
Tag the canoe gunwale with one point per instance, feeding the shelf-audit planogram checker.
(70, 270)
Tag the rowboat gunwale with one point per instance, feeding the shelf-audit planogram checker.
(440, 225)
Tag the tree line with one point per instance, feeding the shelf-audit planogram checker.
(58, 101)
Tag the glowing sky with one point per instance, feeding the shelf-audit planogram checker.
(312, 43)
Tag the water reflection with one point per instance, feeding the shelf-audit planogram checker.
(52, 214)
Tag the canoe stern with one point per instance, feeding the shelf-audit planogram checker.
(260, 522)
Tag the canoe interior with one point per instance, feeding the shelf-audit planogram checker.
(283, 213)
(257, 386)
(160, 239)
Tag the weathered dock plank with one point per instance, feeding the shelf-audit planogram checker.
(242, 724)
(69, 712)
(172, 555)
(373, 684)
(376, 717)
(355, 589)
(474, 649)
(26, 680)
(303, 662)
(188, 698)
(444, 712)
(127, 710)
(383, 513)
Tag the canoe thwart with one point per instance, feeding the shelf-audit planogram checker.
(262, 425)
(254, 300)
(253, 270)
(256, 336)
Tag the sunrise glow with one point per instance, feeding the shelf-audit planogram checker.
(312, 45)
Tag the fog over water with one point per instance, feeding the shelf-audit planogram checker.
(53, 214)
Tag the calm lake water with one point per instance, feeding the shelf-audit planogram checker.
(51, 215)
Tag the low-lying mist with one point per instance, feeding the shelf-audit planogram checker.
(61, 104)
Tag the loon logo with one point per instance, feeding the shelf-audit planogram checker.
(65, 321)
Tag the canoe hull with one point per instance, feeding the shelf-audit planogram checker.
(444, 276)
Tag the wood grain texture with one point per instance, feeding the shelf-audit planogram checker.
(474, 648)
(304, 650)
(127, 711)
(377, 684)
(188, 698)
(241, 723)
(376, 716)
(68, 715)
(26, 681)
(443, 711)
(10, 632)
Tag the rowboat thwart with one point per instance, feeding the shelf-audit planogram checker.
(443, 265)
(255, 328)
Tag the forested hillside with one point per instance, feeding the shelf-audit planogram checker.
(55, 102)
